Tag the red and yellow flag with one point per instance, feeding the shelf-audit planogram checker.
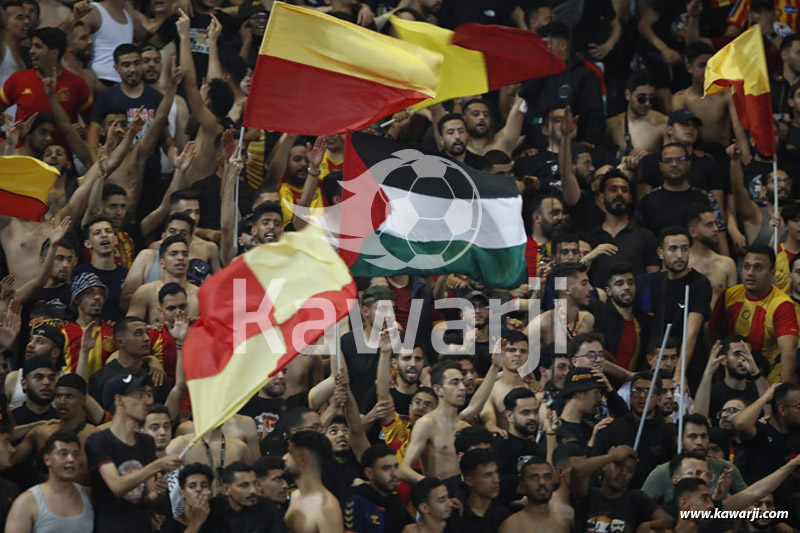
(479, 58)
(743, 65)
(256, 314)
(319, 75)
(25, 183)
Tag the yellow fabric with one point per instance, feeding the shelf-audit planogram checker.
(741, 59)
(318, 40)
(782, 278)
(397, 430)
(290, 195)
(308, 265)
(463, 71)
(27, 176)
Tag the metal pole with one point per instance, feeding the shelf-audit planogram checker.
(683, 369)
(652, 387)
(775, 201)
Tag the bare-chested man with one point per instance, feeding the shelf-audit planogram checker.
(704, 256)
(716, 111)
(70, 398)
(236, 427)
(433, 437)
(188, 202)
(640, 128)
(174, 262)
(79, 54)
(556, 325)
(515, 355)
(312, 508)
(215, 449)
(538, 481)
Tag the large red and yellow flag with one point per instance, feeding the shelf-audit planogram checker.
(479, 58)
(25, 183)
(743, 65)
(256, 314)
(319, 75)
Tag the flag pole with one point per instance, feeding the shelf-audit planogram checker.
(683, 368)
(775, 200)
(650, 390)
(338, 350)
(236, 194)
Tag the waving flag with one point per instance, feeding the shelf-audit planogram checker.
(319, 75)
(479, 58)
(25, 183)
(743, 65)
(257, 313)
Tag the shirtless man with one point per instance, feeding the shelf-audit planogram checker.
(478, 121)
(302, 373)
(236, 427)
(640, 129)
(515, 355)
(188, 203)
(79, 54)
(430, 498)
(174, 261)
(433, 438)
(552, 324)
(215, 449)
(537, 479)
(70, 397)
(716, 111)
(312, 508)
(704, 255)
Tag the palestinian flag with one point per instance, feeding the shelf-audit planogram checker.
(405, 212)
(256, 314)
(25, 183)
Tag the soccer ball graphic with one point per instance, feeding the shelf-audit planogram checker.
(433, 208)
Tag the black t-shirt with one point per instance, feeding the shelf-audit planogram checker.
(26, 473)
(721, 393)
(791, 145)
(454, 14)
(265, 412)
(595, 513)
(113, 368)
(543, 165)
(362, 367)
(753, 462)
(661, 208)
(113, 280)
(23, 415)
(636, 246)
(594, 25)
(128, 513)
(703, 172)
(511, 454)
(210, 190)
(260, 518)
(576, 433)
(585, 216)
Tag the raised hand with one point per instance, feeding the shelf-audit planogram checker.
(214, 30)
(139, 120)
(182, 24)
(176, 73)
(180, 326)
(316, 153)
(81, 9)
(57, 233)
(49, 83)
(228, 144)
(11, 325)
(569, 124)
(184, 160)
(89, 337)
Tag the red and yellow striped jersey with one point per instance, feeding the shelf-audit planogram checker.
(163, 347)
(786, 11)
(761, 321)
(104, 346)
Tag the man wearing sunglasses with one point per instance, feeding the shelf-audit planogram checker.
(640, 129)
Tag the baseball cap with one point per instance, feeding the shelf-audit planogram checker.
(36, 362)
(72, 381)
(477, 294)
(123, 384)
(51, 333)
(85, 280)
(248, 8)
(681, 116)
(374, 293)
(580, 379)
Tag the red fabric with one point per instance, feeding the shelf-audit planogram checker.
(512, 55)
(755, 114)
(25, 89)
(295, 98)
(20, 206)
(532, 257)
(627, 343)
(402, 297)
(785, 320)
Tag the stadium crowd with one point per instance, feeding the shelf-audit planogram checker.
(634, 187)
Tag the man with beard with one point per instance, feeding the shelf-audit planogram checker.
(559, 130)
(625, 328)
(522, 414)
(756, 218)
(46, 341)
(743, 379)
(547, 217)
(88, 296)
(346, 462)
(267, 222)
(480, 135)
(452, 140)
(174, 259)
(312, 507)
(662, 295)
(179, 112)
(267, 407)
(407, 365)
(640, 129)
(17, 31)
(704, 256)
(514, 346)
(576, 293)
(373, 506)
(628, 242)
(668, 204)
(763, 525)
(538, 480)
(790, 216)
(758, 310)
(80, 49)
(659, 483)
(658, 438)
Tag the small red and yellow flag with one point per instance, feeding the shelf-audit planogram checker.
(256, 314)
(25, 183)
(743, 65)
(319, 75)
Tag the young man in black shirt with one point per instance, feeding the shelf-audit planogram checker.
(126, 476)
(482, 513)
(267, 407)
(195, 483)
(101, 240)
(582, 392)
(39, 381)
(238, 508)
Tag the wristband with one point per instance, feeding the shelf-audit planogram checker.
(312, 174)
(179, 346)
(753, 377)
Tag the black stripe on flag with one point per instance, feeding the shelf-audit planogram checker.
(458, 180)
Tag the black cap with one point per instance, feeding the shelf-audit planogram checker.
(122, 384)
(51, 333)
(248, 8)
(580, 379)
(682, 116)
(375, 293)
(477, 294)
(73, 381)
(37, 362)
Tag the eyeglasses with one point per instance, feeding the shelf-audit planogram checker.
(423, 404)
(673, 160)
(646, 98)
(639, 391)
(700, 474)
(795, 405)
(728, 411)
(594, 356)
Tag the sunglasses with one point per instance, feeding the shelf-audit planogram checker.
(646, 98)
(639, 391)
(728, 411)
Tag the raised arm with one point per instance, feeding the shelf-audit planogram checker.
(214, 64)
(759, 489)
(198, 108)
(572, 190)
(745, 421)
(315, 155)
(27, 292)
(178, 331)
(276, 162)
(473, 410)
(745, 206)
(74, 140)
(510, 134)
(423, 431)
(153, 221)
(228, 246)
(702, 399)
